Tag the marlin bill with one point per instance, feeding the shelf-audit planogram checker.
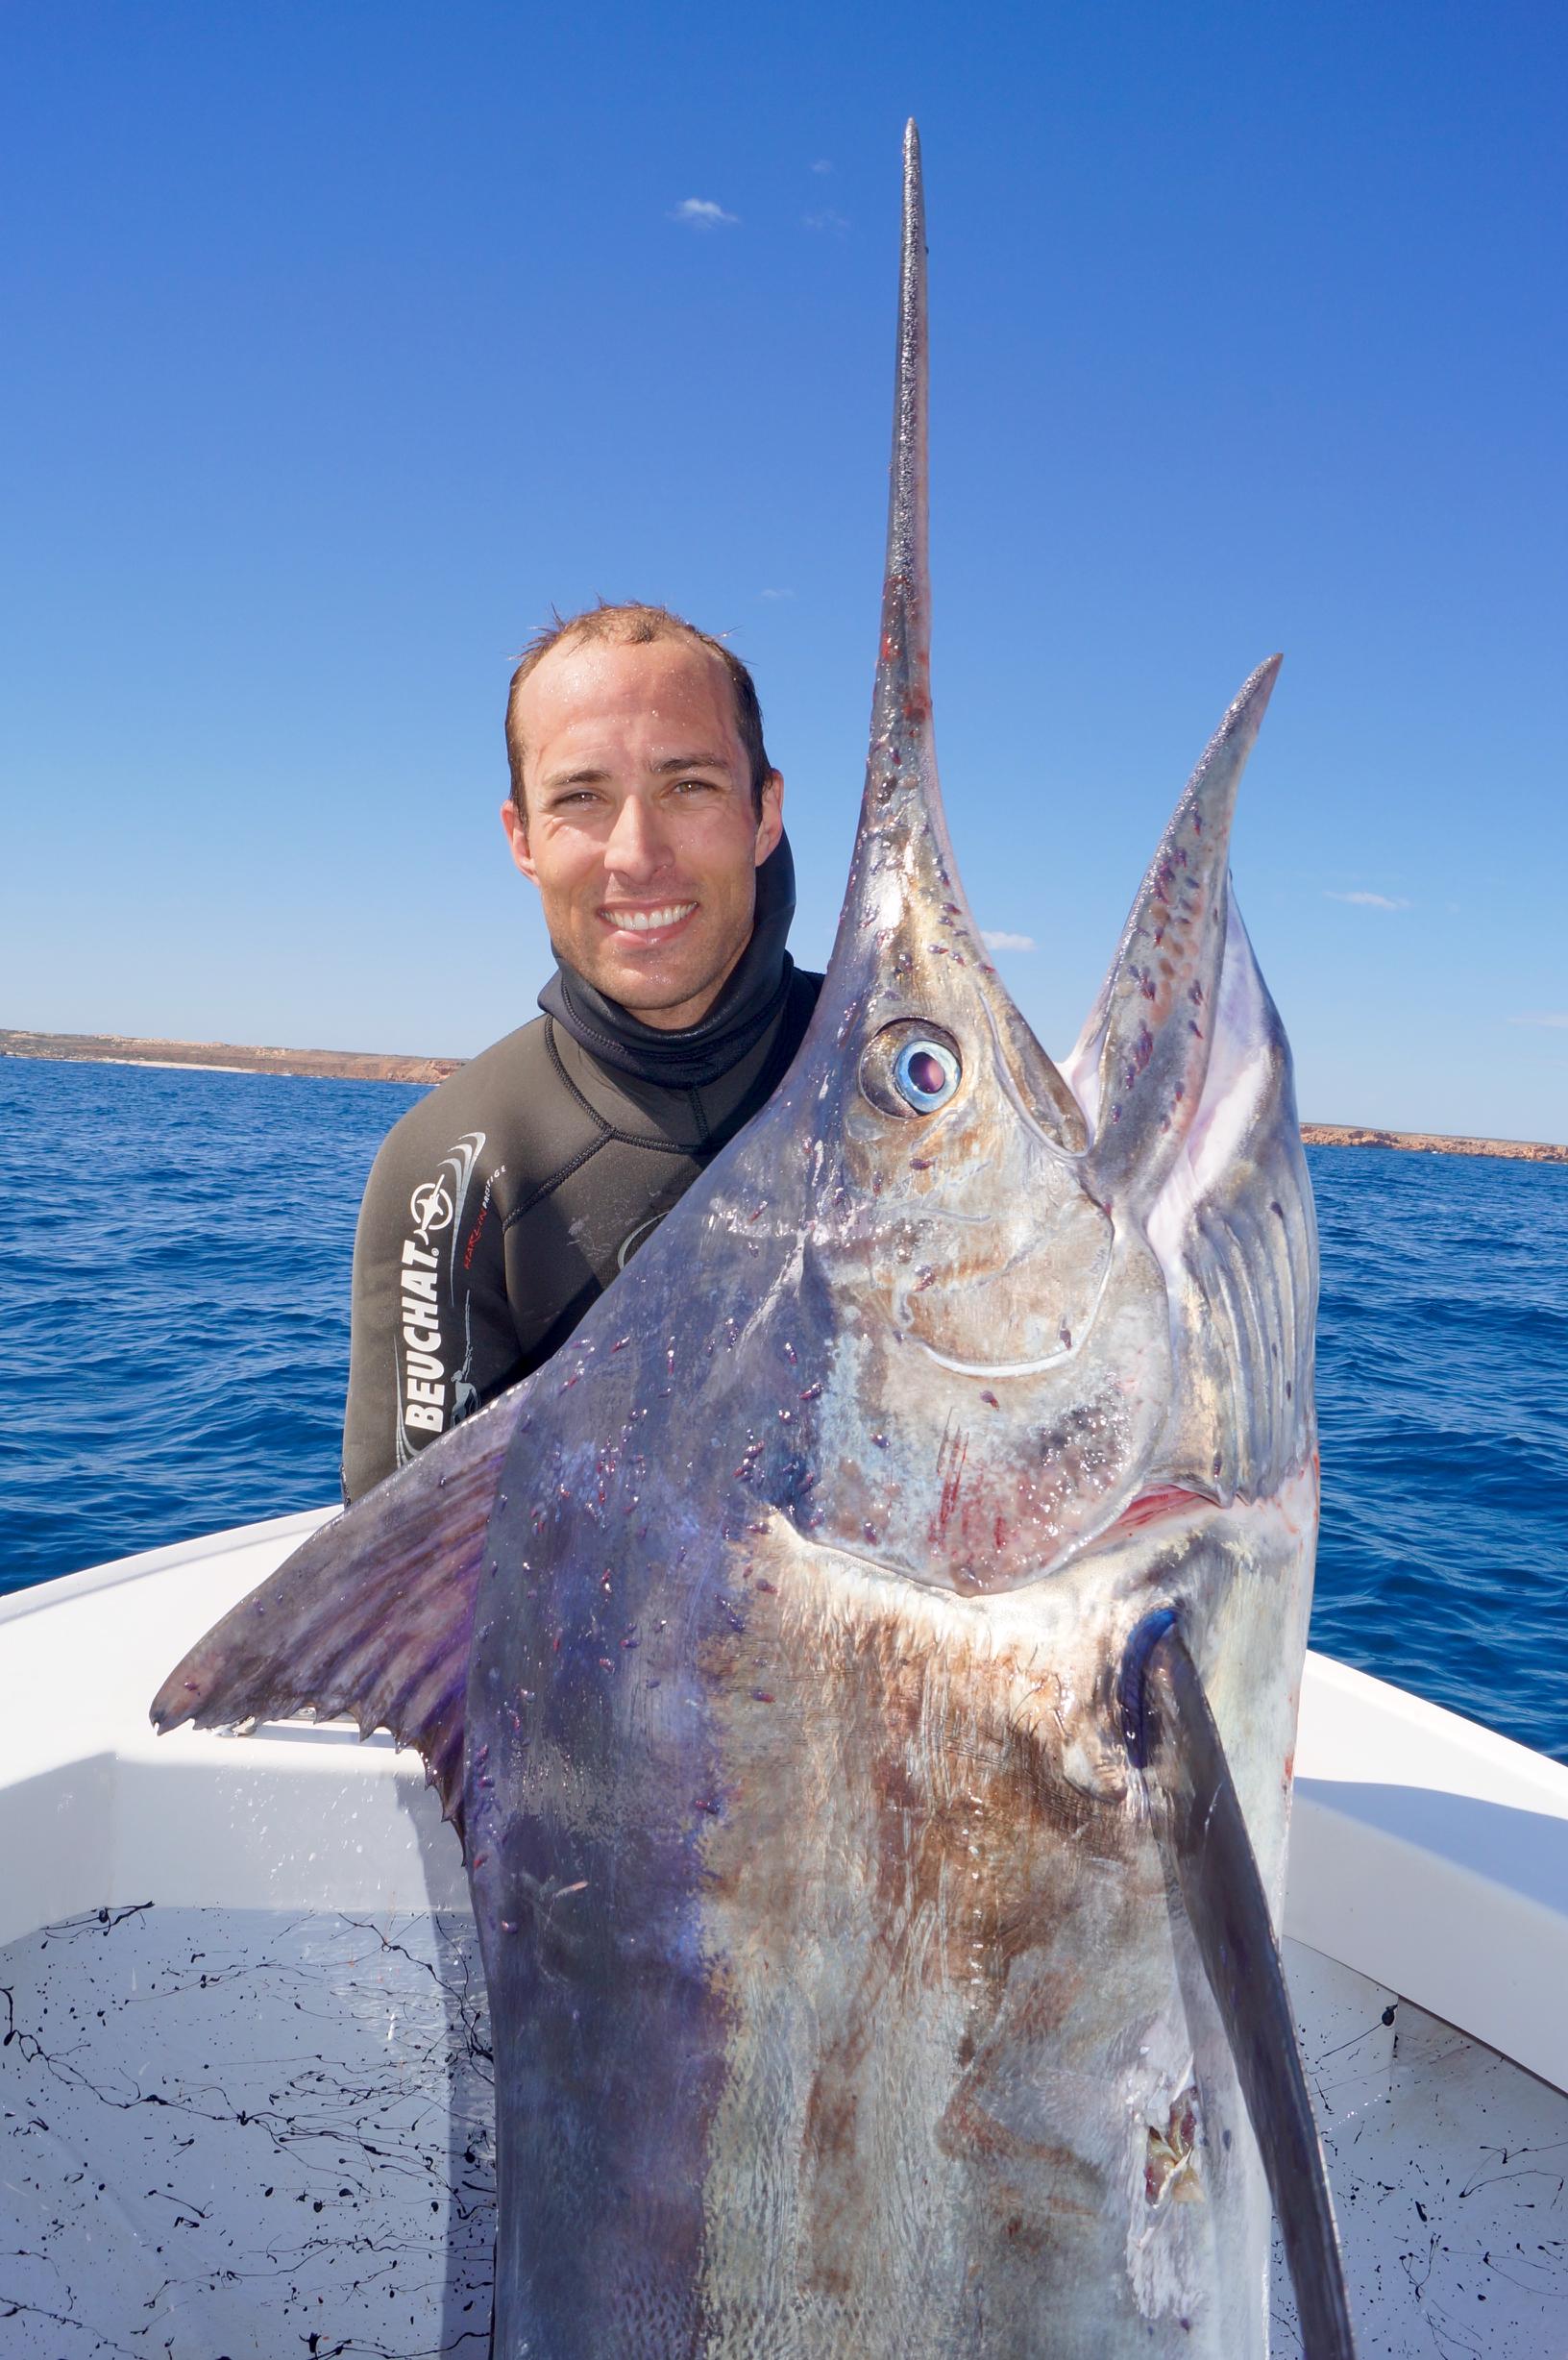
(862, 1666)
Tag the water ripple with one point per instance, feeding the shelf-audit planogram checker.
(1443, 1398)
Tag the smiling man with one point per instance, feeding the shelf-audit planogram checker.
(646, 811)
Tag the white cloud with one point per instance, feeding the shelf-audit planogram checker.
(776, 594)
(997, 938)
(821, 164)
(834, 223)
(1368, 901)
(702, 213)
(1555, 1020)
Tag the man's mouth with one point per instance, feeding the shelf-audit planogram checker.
(648, 921)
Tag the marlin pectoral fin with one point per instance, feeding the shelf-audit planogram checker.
(372, 1616)
(1171, 1735)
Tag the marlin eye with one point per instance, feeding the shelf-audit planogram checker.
(911, 1070)
(926, 1075)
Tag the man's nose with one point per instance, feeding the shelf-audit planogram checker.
(636, 846)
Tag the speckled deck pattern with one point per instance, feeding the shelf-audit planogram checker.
(230, 2132)
(224, 2132)
(1449, 2166)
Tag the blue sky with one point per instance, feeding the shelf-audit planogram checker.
(343, 341)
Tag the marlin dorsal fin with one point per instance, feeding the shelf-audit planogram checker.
(1140, 1066)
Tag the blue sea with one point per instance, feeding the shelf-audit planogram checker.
(174, 1260)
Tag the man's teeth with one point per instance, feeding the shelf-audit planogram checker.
(644, 921)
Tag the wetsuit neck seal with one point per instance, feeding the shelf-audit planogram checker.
(748, 1003)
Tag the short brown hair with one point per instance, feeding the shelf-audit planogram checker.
(635, 625)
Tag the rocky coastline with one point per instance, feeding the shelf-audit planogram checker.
(226, 1057)
(1431, 1142)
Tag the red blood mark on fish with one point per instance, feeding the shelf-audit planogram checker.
(950, 1458)
(1168, 1500)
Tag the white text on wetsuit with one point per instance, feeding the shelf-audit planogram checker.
(424, 1379)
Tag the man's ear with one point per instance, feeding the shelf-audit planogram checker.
(771, 825)
(517, 836)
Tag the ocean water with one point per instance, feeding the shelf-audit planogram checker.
(174, 1257)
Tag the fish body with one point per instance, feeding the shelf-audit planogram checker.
(815, 1888)
(770, 1645)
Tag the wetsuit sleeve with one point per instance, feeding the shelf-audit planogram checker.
(431, 1334)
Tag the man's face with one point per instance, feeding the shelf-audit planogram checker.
(642, 836)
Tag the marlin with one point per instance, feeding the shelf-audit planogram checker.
(862, 1666)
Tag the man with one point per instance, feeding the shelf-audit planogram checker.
(646, 811)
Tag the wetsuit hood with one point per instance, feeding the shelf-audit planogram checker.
(744, 1008)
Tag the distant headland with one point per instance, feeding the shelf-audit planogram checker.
(1431, 1142)
(226, 1057)
(364, 1066)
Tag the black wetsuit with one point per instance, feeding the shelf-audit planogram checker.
(504, 1204)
